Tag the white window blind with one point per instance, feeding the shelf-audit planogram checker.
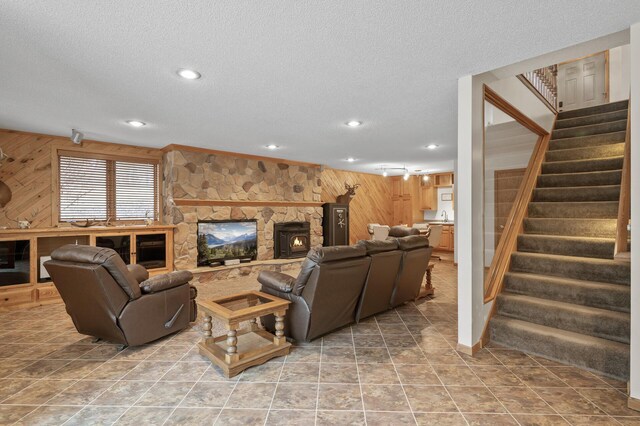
(101, 188)
(135, 190)
(83, 189)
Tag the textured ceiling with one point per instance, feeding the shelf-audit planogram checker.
(288, 72)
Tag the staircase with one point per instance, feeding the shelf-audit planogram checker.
(564, 297)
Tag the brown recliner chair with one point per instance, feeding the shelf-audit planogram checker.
(415, 259)
(381, 279)
(118, 303)
(325, 294)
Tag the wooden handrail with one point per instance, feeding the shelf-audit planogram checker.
(507, 244)
(624, 204)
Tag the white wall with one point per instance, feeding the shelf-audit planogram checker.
(517, 94)
(635, 212)
(619, 73)
(469, 192)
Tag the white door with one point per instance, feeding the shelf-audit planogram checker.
(582, 83)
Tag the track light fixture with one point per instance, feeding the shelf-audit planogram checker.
(76, 137)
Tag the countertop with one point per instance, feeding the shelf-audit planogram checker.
(439, 222)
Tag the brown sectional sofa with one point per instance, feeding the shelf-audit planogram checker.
(340, 285)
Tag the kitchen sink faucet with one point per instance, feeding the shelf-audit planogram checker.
(446, 216)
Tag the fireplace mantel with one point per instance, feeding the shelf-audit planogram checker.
(245, 203)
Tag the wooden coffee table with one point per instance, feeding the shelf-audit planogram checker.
(241, 349)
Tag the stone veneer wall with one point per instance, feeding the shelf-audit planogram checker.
(195, 175)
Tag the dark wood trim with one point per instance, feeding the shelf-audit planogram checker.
(499, 102)
(177, 147)
(245, 203)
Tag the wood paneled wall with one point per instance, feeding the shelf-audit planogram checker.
(28, 172)
(372, 203)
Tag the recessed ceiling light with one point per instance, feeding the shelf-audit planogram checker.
(432, 146)
(136, 123)
(272, 146)
(189, 74)
(354, 123)
(351, 159)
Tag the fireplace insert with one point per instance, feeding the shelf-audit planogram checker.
(291, 240)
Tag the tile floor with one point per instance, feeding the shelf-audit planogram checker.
(397, 368)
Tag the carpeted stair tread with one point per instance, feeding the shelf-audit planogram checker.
(587, 153)
(585, 120)
(608, 177)
(592, 353)
(578, 209)
(577, 193)
(610, 325)
(589, 165)
(588, 293)
(591, 129)
(586, 141)
(580, 268)
(598, 228)
(601, 248)
(565, 297)
(598, 109)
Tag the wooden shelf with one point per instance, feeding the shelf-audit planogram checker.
(81, 231)
(42, 241)
(246, 203)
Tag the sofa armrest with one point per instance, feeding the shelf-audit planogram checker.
(139, 272)
(277, 281)
(165, 281)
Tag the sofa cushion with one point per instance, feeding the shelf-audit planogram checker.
(329, 254)
(318, 255)
(378, 246)
(412, 242)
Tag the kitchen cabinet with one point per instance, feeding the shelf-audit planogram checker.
(428, 196)
(447, 239)
(406, 199)
(442, 179)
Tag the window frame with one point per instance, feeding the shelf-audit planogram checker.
(110, 158)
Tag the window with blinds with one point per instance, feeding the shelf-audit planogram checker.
(102, 188)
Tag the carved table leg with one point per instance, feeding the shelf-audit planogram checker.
(207, 326)
(279, 339)
(232, 348)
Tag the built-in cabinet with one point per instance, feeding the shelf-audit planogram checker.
(413, 196)
(447, 239)
(406, 200)
(25, 282)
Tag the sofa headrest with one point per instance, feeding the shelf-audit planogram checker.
(106, 257)
(412, 242)
(321, 254)
(402, 231)
(379, 246)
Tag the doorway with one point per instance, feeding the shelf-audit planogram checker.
(583, 82)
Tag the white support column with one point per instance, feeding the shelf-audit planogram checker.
(634, 400)
(469, 212)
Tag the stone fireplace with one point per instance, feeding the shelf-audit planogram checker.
(291, 240)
